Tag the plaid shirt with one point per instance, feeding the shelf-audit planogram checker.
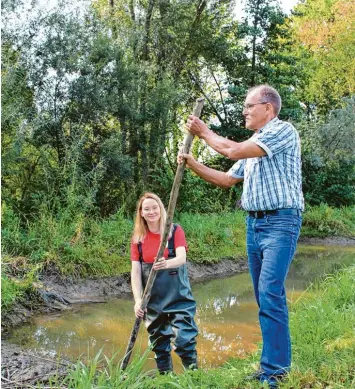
(273, 181)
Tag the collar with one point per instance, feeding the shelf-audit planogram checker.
(273, 121)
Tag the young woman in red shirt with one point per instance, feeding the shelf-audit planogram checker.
(171, 308)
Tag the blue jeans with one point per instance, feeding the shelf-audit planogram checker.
(271, 244)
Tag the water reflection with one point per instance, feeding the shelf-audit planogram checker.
(226, 317)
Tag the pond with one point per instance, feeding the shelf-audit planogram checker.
(227, 316)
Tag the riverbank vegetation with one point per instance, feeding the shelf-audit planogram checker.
(321, 322)
(88, 247)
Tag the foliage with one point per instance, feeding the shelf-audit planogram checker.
(94, 97)
(10, 293)
(90, 374)
(328, 157)
(212, 237)
(324, 34)
(76, 246)
(326, 221)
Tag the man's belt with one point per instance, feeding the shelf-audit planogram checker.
(276, 212)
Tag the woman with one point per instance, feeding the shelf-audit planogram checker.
(171, 308)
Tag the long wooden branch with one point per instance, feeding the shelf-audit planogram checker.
(170, 213)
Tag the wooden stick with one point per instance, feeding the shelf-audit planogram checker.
(170, 213)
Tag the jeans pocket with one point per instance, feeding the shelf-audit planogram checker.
(281, 221)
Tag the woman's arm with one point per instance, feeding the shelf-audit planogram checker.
(178, 261)
(137, 287)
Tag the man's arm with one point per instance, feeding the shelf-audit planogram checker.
(212, 176)
(226, 147)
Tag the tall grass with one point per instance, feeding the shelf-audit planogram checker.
(325, 221)
(212, 237)
(103, 372)
(77, 246)
(10, 292)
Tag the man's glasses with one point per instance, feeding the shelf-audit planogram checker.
(247, 107)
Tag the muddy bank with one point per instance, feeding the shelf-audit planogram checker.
(328, 241)
(98, 290)
(21, 369)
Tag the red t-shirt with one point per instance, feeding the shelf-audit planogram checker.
(151, 243)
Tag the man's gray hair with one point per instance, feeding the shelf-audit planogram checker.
(268, 94)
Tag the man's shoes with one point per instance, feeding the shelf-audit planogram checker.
(274, 380)
(254, 376)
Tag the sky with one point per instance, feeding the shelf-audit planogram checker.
(286, 5)
(47, 5)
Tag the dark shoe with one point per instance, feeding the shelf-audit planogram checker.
(164, 364)
(189, 363)
(274, 380)
(254, 376)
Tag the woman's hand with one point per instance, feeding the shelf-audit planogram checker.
(161, 264)
(137, 309)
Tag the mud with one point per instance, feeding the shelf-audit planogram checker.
(21, 369)
(329, 241)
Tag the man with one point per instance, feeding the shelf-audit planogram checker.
(269, 163)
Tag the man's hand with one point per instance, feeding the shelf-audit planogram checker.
(196, 126)
(189, 159)
(161, 264)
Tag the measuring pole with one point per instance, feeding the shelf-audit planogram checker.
(169, 219)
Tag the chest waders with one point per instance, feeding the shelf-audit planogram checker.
(170, 313)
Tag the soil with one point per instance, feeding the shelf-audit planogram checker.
(329, 241)
(21, 369)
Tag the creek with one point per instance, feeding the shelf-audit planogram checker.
(227, 316)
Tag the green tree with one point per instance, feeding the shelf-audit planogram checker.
(328, 157)
(324, 34)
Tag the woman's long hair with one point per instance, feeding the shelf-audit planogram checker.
(140, 224)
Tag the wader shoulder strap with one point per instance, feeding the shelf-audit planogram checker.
(140, 251)
(171, 243)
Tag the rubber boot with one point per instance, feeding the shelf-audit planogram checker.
(190, 363)
(164, 364)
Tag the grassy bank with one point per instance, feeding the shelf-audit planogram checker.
(322, 327)
(78, 246)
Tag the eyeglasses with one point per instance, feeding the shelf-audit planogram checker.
(247, 107)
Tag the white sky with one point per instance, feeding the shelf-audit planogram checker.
(47, 5)
(286, 5)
